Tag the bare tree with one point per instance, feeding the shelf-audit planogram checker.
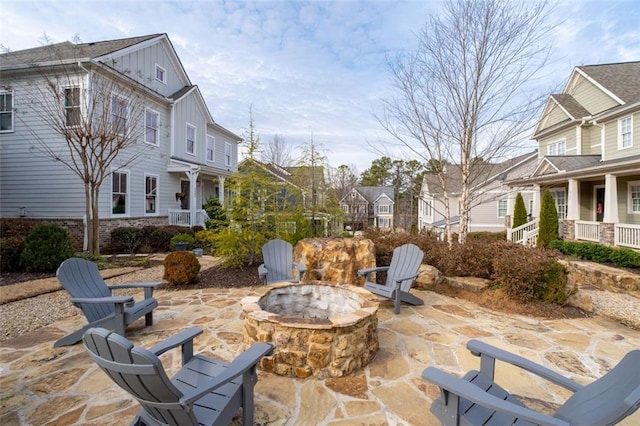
(342, 179)
(98, 112)
(278, 152)
(467, 91)
(312, 163)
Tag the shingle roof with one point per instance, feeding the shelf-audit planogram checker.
(622, 79)
(68, 50)
(572, 106)
(371, 193)
(573, 162)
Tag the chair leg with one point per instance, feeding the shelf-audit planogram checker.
(148, 319)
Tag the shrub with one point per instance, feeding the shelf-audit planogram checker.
(45, 248)
(186, 238)
(601, 253)
(548, 230)
(625, 258)
(181, 268)
(217, 215)
(160, 238)
(127, 239)
(519, 212)
(487, 236)
(10, 251)
(206, 240)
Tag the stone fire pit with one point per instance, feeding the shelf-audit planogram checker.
(318, 328)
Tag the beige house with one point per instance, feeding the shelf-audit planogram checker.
(589, 156)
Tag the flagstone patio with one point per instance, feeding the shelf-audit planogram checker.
(61, 386)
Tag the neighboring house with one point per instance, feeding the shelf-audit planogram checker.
(185, 158)
(368, 207)
(589, 156)
(492, 200)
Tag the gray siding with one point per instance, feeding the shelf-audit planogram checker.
(590, 96)
(187, 110)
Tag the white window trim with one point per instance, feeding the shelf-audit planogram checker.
(153, 111)
(164, 74)
(127, 117)
(127, 201)
(144, 207)
(629, 205)
(506, 208)
(13, 109)
(228, 154)
(186, 141)
(64, 98)
(383, 208)
(630, 117)
(213, 148)
(561, 214)
(557, 144)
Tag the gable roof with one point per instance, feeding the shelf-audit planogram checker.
(621, 79)
(372, 193)
(570, 106)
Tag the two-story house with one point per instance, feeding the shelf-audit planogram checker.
(368, 207)
(492, 201)
(589, 155)
(180, 157)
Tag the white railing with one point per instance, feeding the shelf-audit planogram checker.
(523, 233)
(589, 231)
(183, 218)
(627, 235)
(531, 237)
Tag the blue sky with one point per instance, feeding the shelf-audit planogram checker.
(310, 69)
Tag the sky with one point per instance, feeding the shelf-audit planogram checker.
(310, 70)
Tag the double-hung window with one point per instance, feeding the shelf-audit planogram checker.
(560, 198)
(557, 148)
(502, 208)
(227, 154)
(151, 127)
(634, 197)
(190, 146)
(151, 194)
(72, 106)
(119, 194)
(383, 208)
(625, 132)
(119, 114)
(161, 74)
(6, 111)
(211, 146)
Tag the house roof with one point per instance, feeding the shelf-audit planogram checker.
(372, 193)
(622, 79)
(570, 105)
(68, 50)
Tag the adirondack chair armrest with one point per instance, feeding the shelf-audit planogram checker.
(410, 277)
(184, 339)
(147, 286)
(97, 300)
(464, 389)
(301, 269)
(366, 272)
(262, 272)
(488, 354)
(243, 362)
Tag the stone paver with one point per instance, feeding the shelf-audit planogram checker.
(45, 385)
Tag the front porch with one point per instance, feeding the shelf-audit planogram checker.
(187, 218)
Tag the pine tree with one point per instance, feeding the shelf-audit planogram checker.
(548, 220)
(519, 212)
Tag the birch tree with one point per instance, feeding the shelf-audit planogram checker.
(468, 90)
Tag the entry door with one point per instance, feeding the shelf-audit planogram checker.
(599, 204)
(184, 188)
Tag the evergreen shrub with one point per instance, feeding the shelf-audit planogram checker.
(181, 268)
(46, 247)
(519, 212)
(127, 239)
(548, 228)
(182, 237)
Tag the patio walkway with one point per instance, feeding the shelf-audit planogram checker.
(61, 386)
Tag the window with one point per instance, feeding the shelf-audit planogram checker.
(560, 198)
(211, 144)
(6, 111)
(383, 208)
(227, 154)
(119, 193)
(151, 127)
(625, 133)
(72, 106)
(119, 113)
(151, 194)
(190, 147)
(427, 207)
(502, 208)
(634, 197)
(556, 148)
(161, 74)
(531, 208)
(384, 222)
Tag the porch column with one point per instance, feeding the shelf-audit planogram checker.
(573, 205)
(193, 196)
(610, 199)
(536, 201)
(221, 180)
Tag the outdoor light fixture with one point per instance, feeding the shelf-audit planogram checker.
(22, 211)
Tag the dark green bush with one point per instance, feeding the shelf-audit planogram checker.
(183, 237)
(10, 251)
(160, 238)
(548, 229)
(217, 215)
(625, 258)
(601, 253)
(519, 212)
(127, 239)
(181, 268)
(45, 248)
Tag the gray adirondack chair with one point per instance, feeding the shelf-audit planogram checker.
(401, 273)
(278, 263)
(476, 399)
(92, 295)
(204, 392)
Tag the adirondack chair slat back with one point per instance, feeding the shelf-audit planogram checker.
(405, 261)
(81, 278)
(278, 259)
(140, 373)
(603, 401)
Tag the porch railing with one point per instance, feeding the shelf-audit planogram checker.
(183, 218)
(588, 231)
(524, 234)
(627, 235)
